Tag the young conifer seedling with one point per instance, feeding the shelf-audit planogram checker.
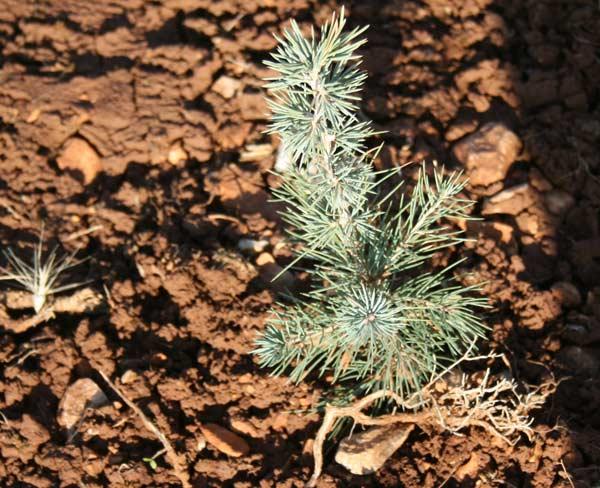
(374, 319)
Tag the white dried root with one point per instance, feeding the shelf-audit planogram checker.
(492, 403)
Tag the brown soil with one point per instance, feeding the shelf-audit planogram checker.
(133, 119)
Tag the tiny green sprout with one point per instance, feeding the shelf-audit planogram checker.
(41, 278)
(151, 462)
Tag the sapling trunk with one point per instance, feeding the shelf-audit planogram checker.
(374, 319)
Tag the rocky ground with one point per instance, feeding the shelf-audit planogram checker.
(134, 130)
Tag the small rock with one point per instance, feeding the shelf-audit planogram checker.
(128, 376)
(252, 245)
(79, 155)
(488, 153)
(224, 440)
(580, 360)
(256, 152)
(200, 442)
(226, 86)
(366, 452)
(283, 162)
(82, 394)
(511, 201)
(177, 154)
(568, 293)
(559, 201)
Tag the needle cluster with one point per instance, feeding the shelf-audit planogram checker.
(374, 319)
(42, 278)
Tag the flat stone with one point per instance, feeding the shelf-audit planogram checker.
(488, 153)
(511, 201)
(82, 394)
(224, 440)
(77, 154)
(226, 86)
(367, 451)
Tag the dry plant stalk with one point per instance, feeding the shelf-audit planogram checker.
(180, 469)
(494, 405)
(82, 301)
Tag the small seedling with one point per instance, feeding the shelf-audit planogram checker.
(377, 318)
(152, 460)
(41, 278)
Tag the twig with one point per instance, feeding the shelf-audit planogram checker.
(84, 232)
(85, 300)
(566, 473)
(180, 470)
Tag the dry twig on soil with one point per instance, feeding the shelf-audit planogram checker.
(82, 301)
(180, 469)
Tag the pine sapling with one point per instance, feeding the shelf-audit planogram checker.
(374, 319)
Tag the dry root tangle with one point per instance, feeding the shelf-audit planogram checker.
(493, 403)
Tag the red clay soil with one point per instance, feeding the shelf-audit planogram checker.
(133, 129)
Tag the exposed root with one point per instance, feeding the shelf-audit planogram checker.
(180, 469)
(493, 404)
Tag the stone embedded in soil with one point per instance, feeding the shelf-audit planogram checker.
(488, 153)
(82, 394)
(511, 201)
(367, 451)
(224, 440)
(77, 154)
(176, 154)
(226, 86)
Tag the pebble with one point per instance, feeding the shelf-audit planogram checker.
(177, 154)
(488, 153)
(511, 201)
(77, 154)
(252, 245)
(367, 451)
(82, 394)
(224, 440)
(226, 86)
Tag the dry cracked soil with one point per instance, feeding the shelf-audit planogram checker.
(133, 129)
